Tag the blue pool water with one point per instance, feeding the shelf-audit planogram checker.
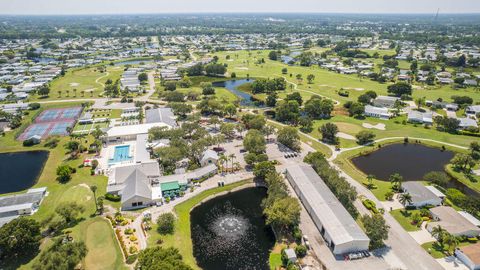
(121, 154)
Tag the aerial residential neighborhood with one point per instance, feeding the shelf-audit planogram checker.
(281, 136)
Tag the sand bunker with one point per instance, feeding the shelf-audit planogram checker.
(73, 84)
(377, 126)
(345, 136)
(242, 68)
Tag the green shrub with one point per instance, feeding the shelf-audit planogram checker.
(131, 259)
(370, 205)
(112, 197)
(301, 251)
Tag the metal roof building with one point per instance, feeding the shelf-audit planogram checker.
(161, 115)
(335, 224)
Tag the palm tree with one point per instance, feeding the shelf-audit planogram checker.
(94, 190)
(438, 232)
(405, 199)
(232, 157)
(221, 160)
(59, 93)
(83, 93)
(396, 180)
(451, 240)
(75, 92)
(370, 180)
(68, 92)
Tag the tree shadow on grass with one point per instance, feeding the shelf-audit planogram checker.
(11, 263)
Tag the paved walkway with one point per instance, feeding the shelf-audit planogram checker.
(168, 207)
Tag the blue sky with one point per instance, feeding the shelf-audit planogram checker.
(200, 6)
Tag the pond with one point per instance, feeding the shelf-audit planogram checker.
(229, 232)
(20, 170)
(411, 161)
(44, 60)
(245, 98)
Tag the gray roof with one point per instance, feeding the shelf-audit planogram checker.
(20, 199)
(452, 221)
(418, 192)
(141, 153)
(163, 115)
(137, 184)
(339, 224)
(118, 177)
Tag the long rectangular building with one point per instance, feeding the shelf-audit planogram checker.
(340, 231)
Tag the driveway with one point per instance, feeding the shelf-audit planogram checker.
(422, 236)
(452, 263)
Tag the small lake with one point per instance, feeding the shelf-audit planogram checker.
(229, 232)
(44, 60)
(20, 170)
(412, 161)
(246, 99)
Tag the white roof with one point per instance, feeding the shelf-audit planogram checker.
(435, 191)
(470, 218)
(339, 224)
(133, 129)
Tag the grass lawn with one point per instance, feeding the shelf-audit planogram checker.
(88, 82)
(403, 218)
(434, 249)
(103, 250)
(77, 189)
(275, 258)
(181, 239)
(393, 128)
(472, 181)
(326, 82)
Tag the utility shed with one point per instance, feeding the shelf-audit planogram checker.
(340, 231)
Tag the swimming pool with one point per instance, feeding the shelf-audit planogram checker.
(120, 154)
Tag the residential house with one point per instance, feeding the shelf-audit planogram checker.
(473, 110)
(466, 122)
(13, 206)
(385, 101)
(452, 221)
(469, 255)
(420, 117)
(421, 195)
(378, 112)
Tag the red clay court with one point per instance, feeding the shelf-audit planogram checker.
(52, 122)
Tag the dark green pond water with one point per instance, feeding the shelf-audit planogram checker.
(229, 232)
(20, 170)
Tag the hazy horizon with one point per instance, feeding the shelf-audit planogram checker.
(125, 7)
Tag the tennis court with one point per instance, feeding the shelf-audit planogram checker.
(52, 122)
(52, 115)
